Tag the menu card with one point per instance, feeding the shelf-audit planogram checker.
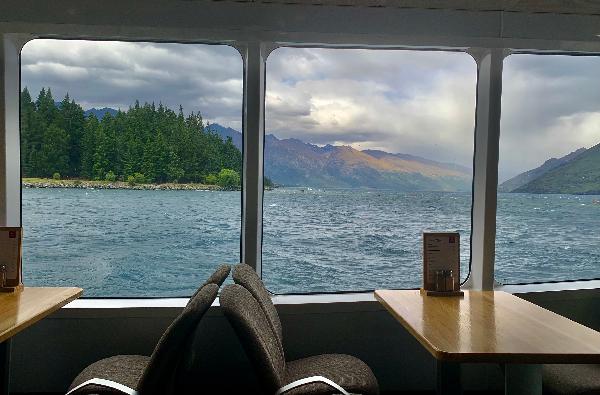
(441, 256)
(10, 258)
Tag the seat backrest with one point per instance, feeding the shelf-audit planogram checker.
(258, 339)
(158, 378)
(218, 277)
(245, 276)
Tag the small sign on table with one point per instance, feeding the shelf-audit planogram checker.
(441, 264)
(11, 273)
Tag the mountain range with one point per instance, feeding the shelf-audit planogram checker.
(525, 178)
(293, 162)
(575, 173)
(100, 112)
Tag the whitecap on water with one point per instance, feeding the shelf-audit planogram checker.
(273, 205)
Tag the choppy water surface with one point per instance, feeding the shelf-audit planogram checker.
(547, 238)
(165, 243)
(354, 240)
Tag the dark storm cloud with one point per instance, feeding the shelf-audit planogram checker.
(205, 78)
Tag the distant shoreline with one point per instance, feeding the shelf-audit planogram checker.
(89, 184)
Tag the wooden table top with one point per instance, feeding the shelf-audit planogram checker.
(491, 326)
(22, 309)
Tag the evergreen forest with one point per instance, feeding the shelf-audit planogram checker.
(145, 144)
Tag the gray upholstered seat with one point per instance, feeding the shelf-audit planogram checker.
(347, 371)
(123, 369)
(571, 379)
(154, 375)
(245, 276)
(261, 343)
(218, 277)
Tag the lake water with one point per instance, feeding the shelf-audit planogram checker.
(165, 243)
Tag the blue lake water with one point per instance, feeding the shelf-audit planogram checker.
(165, 243)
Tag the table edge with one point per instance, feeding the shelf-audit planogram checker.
(505, 358)
(437, 354)
(77, 292)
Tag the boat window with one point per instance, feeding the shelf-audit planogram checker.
(364, 150)
(131, 164)
(549, 169)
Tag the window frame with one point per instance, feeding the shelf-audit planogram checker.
(561, 283)
(254, 53)
(19, 43)
(274, 46)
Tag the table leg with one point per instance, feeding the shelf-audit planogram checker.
(448, 378)
(522, 379)
(4, 366)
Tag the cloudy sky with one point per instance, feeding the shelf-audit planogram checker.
(421, 103)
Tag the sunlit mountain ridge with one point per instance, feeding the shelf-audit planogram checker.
(292, 162)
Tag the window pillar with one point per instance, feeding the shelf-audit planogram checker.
(485, 166)
(255, 55)
(10, 160)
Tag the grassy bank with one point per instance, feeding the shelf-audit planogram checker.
(89, 184)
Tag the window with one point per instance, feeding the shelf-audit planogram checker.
(549, 170)
(131, 164)
(365, 150)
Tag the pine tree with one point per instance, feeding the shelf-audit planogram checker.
(72, 120)
(88, 147)
(54, 155)
(46, 107)
(27, 124)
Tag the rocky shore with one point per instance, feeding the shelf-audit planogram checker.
(81, 184)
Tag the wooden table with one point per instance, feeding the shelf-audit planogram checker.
(21, 310)
(491, 327)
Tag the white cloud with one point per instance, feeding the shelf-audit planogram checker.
(420, 103)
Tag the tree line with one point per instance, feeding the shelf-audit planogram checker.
(143, 144)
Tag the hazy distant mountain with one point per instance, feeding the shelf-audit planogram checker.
(580, 175)
(293, 162)
(524, 178)
(227, 132)
(99, 112)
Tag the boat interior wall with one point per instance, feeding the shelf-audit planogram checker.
(2, 143)
(57, 348)
(585, 7)
(441, 23)
(581, 7)
(362, 329)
